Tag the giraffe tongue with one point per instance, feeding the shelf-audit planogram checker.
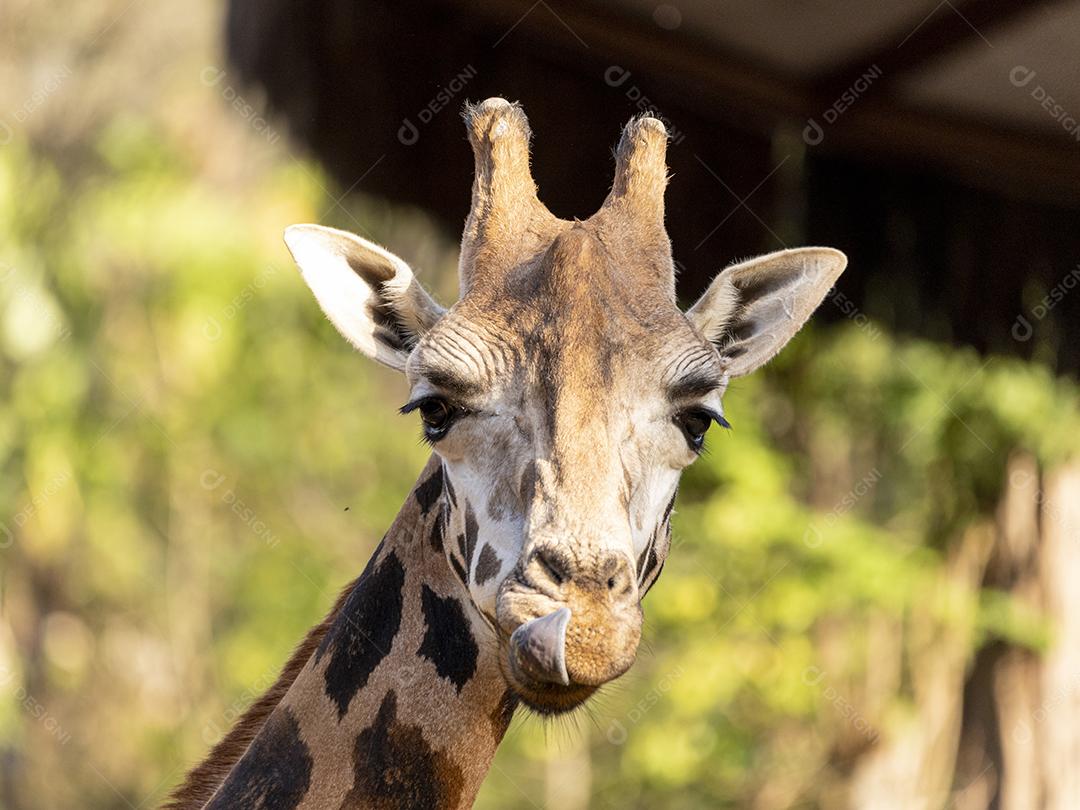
(538, 647)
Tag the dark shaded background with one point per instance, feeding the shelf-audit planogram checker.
(955, 221)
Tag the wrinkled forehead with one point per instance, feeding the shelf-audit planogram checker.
(574, 324)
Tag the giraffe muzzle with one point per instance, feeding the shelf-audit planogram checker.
(538, 648)
(571, 626)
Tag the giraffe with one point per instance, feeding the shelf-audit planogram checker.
(562, 395)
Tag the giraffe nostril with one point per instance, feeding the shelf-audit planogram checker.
(620, 580)
(552, 566)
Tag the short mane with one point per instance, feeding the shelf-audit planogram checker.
(203, 781)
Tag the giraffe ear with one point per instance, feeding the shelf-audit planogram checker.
(367, 292)
(752, 309)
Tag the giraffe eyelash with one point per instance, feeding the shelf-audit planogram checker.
(695, 422)
(437, 415)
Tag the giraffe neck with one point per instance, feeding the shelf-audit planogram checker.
(402, 703)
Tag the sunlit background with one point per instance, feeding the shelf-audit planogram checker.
(871, 599)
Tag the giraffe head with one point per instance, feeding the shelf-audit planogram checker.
(564, 392)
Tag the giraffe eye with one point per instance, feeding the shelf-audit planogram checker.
(437, 415)
(695, 424)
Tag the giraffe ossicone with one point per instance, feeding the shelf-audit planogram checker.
(562, 394)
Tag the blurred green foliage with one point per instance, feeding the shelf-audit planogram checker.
(193, 463)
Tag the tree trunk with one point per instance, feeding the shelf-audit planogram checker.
(1006, 734)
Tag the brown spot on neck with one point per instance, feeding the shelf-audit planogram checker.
(396, 767)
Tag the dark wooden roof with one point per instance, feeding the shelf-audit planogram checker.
(917, 137)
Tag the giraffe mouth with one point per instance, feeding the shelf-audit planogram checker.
(544, 697)
(534, 665)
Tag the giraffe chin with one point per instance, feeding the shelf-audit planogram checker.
(543, 697)
(552, 699)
